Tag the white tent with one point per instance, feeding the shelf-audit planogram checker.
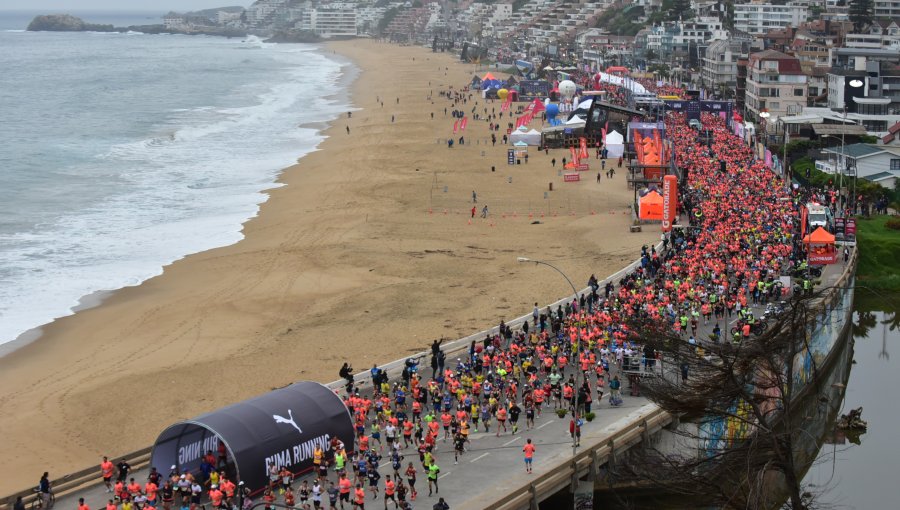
(523, 135)
(615, 145)
(575, 121)
(586, 104)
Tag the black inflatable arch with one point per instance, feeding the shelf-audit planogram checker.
(282, 428)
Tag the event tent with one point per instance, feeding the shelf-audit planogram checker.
(530, 137)
(650, 206)
(615, 144)
(821, 248)
(281, 427)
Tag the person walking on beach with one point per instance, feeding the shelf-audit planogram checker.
(348, 130)
(474, 197)
(484, 211)
(473, 215)
(553, 162)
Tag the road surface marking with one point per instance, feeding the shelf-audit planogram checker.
(544, 425)
(483, 455)
(511, 442)
(443, 475)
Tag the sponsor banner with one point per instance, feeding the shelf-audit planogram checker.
(571, 177)
(462, 124)
(817, 259)
(582, 167)
(670, 201)
(455, 125)
(582, 143)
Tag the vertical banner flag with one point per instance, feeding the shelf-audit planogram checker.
(462, 125)
(455, 125)
(670, 199)
(582, 142)
(574, 155)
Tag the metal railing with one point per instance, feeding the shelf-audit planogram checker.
(587, 462)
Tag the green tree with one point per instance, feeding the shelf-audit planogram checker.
(860, 14)
(681, 9)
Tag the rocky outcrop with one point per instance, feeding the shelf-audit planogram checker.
(69, 23)
(294, 36)
(65, 23)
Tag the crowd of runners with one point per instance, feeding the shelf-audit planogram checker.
(742, 233)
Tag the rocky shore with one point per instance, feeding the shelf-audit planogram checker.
(69, 23)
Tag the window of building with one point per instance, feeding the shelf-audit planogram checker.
(895, 164)
(798, 92)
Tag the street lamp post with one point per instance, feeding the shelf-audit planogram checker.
(577, 347)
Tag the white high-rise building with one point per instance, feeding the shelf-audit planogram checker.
(760, 18)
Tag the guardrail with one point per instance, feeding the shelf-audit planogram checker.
(81, 479)
(586, 462)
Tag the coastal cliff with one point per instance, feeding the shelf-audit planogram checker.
(65, 23)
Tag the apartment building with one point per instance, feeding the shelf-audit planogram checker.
(720, 65)
(886, 8)
(331, 21)
(757, 19)
(776, 84)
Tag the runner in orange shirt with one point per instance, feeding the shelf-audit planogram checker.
(529, 455)
(111, 505)
(106, 471)
(360, 497)
(82, 505)
(344, 486)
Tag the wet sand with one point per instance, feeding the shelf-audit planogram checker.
(368, 253)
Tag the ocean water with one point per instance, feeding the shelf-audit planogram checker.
(122, 153)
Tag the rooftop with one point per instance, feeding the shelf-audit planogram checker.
(856, 150)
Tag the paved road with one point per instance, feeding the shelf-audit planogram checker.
(491, 466)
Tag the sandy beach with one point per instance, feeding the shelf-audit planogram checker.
(366, 254)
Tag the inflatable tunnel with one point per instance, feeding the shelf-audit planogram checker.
(282, 427)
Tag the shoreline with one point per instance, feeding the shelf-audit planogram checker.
(342, 262)
(341, 98)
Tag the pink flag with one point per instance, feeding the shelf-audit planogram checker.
(455, 125)
(462, 125)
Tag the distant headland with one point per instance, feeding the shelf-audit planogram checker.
(69, 23)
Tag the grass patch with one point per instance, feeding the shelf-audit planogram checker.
(879, 253)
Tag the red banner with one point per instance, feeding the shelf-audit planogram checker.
(818, 259)
(574, 155)
(571, 177)
(455, 125)
(582, 142)
(462, 124)
(803, 214)
(670, 201)
(582, 167)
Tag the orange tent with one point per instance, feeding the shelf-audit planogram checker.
(650, 206)
(488, 76)
(821, 247)
(819, 236)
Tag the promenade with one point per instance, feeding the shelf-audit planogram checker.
(710, 263)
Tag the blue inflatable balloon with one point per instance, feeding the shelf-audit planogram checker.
(552, 111)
